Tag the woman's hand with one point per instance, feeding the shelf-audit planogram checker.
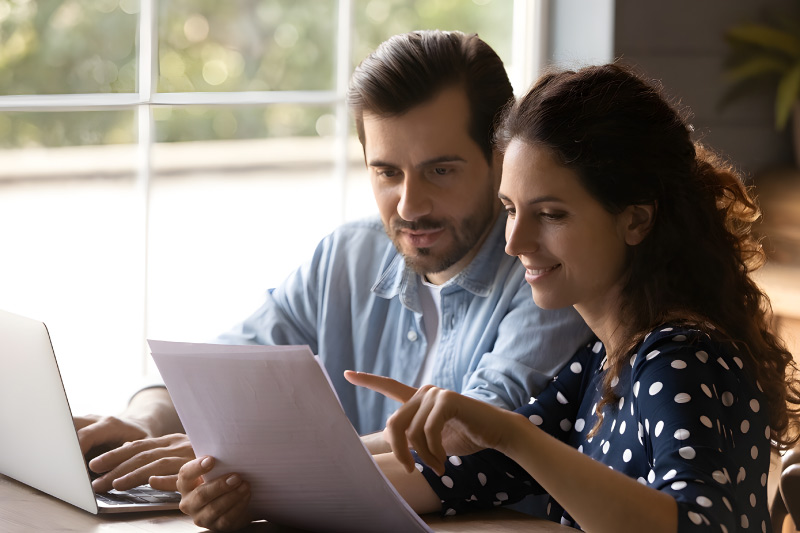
(436, 422)
(218, 505)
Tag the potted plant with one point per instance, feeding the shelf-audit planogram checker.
(767, 54)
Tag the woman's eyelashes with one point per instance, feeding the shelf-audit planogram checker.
(552, 215)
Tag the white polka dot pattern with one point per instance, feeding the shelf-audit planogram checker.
(727, 399)
(686, 413)
(683, 397)
(687, 452)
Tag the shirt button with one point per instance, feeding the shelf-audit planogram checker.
(412, 335)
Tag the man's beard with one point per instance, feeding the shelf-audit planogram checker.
(465, 237)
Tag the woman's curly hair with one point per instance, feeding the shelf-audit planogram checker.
(630, 146)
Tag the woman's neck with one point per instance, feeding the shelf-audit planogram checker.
(606, 321)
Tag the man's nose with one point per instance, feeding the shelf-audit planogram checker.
(415, 200)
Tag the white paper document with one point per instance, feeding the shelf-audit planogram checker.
(270, 414)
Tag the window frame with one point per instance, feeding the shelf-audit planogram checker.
(528, 54)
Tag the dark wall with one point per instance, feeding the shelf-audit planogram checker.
(681, 43)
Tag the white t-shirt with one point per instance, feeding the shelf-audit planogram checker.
(430, 298)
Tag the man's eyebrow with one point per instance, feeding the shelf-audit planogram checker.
(379, 163)
(421, 164)
(441, 159)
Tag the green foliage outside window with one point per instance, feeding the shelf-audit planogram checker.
(88, 46)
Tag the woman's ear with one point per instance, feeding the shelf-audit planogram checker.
(637, 221)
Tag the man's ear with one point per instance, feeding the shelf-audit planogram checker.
(637, 221)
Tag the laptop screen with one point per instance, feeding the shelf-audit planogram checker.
(38, 442)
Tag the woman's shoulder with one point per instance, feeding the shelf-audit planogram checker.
(700, 349)
(682, 339)
(589, 355)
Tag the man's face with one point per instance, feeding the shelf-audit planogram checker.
(436, 193)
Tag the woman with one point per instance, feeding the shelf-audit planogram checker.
(613, 210)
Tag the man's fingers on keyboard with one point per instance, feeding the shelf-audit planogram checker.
(165, 466)
(126, 475)
(129, 458)
(164, 482)
(112, 458)
(103, 483)
(108, 430)
(138, 453)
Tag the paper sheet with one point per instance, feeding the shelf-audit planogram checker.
(270, 414)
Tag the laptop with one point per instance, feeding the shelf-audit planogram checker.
(38, 441)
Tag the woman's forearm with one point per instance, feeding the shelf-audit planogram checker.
(600, 499)
(413, 487)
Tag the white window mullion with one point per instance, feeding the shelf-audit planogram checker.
(69, 102)
(147, 61)
(115, 101)
(529, 42)
(148, 47)
(344, 38)
(247, 98)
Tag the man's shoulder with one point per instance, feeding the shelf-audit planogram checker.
(367, 227)
(360, 244)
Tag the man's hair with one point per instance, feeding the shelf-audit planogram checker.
(410, 69)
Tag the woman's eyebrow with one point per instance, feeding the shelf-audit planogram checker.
(532, 201)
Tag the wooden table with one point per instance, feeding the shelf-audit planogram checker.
(23, 509)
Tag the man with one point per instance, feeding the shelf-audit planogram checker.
(426, 294)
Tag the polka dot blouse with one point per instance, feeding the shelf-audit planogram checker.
(689, 422)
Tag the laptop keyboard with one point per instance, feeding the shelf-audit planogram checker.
(141, 494)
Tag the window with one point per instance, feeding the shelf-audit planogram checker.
(164, 163)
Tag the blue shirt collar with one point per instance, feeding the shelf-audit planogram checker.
(477, 277)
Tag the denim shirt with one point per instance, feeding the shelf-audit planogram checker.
(357, 306)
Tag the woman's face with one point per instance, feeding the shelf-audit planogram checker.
(574, 251)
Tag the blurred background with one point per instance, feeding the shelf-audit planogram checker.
(162, 164)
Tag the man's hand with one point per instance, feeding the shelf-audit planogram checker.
(156, 461)
(106, 431)
(135, 451)
(218, 505)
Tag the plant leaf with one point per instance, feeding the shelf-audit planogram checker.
(788, 94)
(755, 67)
(766, 37)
